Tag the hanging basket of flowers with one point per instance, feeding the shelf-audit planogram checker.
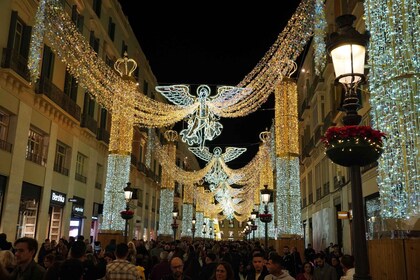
(127, 214)
(265, 218)
(353, 145)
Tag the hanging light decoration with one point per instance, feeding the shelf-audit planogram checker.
(394, 79)
(288, 215)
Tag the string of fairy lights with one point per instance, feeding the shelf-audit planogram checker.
(320, 33)
(128, 106)
(394, 78)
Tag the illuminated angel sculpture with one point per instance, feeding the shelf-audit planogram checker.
(217, 173)
(203, 123)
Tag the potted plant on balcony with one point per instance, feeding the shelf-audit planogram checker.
(127, 214)
(353, 145)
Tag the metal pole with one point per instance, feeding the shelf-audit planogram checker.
(127, 207)
(266, 237)
(358, 225)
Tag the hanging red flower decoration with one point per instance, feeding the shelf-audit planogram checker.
(357, 133)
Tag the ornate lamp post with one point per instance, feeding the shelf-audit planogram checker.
(127, 214)
(174, 225)
(204, 230)
(193, 221)
(254, 215)
(347, 49)
(266, 217)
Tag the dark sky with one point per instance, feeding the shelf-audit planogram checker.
(214, 44)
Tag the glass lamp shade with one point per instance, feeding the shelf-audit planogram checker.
(194, 221)
(128, 192)
(349, 59)
(253, 216)
(265, 198)
(249, 223)
(175, 213)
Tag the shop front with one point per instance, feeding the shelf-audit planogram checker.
(57, 203)
(28, 210)
(96, 214)
(77, 216)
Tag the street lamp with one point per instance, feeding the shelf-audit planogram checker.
(174, 225)
(204, 230)
(347, 49)
(265, 217)
(128, 195)
(193, 221)
(254, 215)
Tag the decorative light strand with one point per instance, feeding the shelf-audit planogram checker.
(394, 78)
(319, 37)
(165, 210)
(187, 215)
(116, 180)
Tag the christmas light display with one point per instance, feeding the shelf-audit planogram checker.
(395, 100)
(320, 34)
(187, 215)
(166, 206)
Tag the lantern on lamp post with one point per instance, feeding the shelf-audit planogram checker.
(347, 49)
(265, 217)
(174, 225)
(193, 221)
(127, 214)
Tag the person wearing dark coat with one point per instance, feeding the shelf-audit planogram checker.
(209, 267)
(258, 270)
(4, 244)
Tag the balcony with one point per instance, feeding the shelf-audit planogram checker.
(308, 148)
(90, 123)
(98, 186)
(61, 169)
(38, 159)
(311, 198)
(80, 178)
(16, 62)
(303, 107)
(326, 188)
(338, 181)
(6, 146)
(318, 194)
(103, 135)
(47, 88)
(318, 134)
(368, 167)
(304, 202)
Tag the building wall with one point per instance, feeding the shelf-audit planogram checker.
(27, 107)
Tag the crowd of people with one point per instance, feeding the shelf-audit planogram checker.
(78, 259)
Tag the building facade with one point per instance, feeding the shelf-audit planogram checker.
(54, 136)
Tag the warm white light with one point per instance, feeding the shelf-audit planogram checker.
(265, 198)
(348, 59)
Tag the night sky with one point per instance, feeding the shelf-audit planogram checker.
(214, 44)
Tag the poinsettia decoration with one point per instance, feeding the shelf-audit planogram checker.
(356, 133)
(127, 212)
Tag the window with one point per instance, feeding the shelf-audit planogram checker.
(96, 5)
(70, 86)
(81, 163)
(147, 202)
(77, 18)
(47, 64)
(94, 42)
(109, 61)
(36, 148)
(62, 153)
(99, 176)
(153, 203)
(4, 130)
(111, 29)
(124, 48)
(89, 105)
(146, 88)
